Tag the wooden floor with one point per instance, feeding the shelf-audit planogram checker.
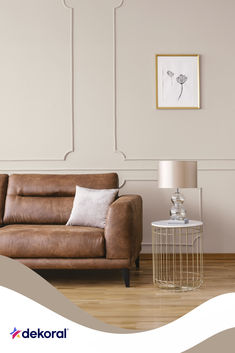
(142, 306)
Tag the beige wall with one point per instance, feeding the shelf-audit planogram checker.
(77, 88)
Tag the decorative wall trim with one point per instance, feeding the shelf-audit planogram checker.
(115, 117)
(79, 169)
(126, 180)
(146, 248)
(65, 4)
(116, 149)
(102, 170)
(71, 150)
(72, 77)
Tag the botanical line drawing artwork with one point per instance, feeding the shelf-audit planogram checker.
(181, 79)
(171, 74)
(177, 81)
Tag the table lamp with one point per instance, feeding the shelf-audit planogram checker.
(177, 174)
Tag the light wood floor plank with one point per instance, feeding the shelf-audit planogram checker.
(142, 306)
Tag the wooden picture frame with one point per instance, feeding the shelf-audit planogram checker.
(177, 81)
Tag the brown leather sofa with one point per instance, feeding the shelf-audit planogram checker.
(34, 209)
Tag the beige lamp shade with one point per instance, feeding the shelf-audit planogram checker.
(177, 174)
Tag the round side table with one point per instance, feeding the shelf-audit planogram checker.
(177, 255)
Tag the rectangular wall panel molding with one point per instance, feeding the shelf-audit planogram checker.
(36, 80)
(145, 28)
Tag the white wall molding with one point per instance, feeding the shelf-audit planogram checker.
(115, 115)
(72, 78)
(146, 248)
(134, 180)
(66, 153)
(65, 4)
(68, 169)
(115, 137)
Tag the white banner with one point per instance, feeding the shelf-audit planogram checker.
(26, 326)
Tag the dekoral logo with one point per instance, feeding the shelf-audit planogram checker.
(15, 333)
(39, 333)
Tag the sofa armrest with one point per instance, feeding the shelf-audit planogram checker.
(123, 230)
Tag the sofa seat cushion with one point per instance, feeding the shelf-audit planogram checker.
(19, 240)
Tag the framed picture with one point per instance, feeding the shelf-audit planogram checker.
(177, 81)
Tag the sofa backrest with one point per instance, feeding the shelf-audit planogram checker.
(48, 198)
(3, 192)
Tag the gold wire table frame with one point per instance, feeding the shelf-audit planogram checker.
(177, 255)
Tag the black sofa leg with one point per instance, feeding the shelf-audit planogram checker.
(126, 276)
(137, 262)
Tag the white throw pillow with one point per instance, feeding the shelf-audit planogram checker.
(90, 207)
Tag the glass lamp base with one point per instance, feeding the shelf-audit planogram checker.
(177, 211)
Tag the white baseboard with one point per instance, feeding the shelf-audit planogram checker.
(146, 248)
